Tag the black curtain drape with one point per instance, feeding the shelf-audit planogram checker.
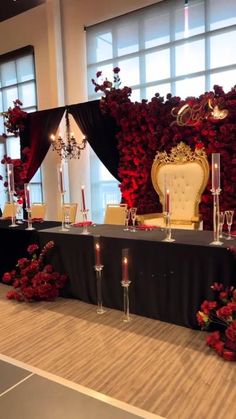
(36, 135)
(100, 131)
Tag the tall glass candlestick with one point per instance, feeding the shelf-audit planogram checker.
(85, 221)
(215, 171)
(125, 284)
(62, 190)
(11, 190)
(216, 218)
(215, 176)
(61, 177)
(83, 198)
(10, 178)
(98, 269)
(168, 237)
(28, 206)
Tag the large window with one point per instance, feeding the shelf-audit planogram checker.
(17, 81)
(180, 47)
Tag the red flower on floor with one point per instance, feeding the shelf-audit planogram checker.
(33, 280)
(220, 315)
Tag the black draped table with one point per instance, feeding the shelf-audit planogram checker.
(15, 240)
(169, 280)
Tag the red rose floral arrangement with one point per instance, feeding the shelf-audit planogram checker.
(20, 171)
(150, 126)
(14, 118)
(219, 316)
(33, 280)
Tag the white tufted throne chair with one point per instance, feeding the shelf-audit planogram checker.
(185, 173)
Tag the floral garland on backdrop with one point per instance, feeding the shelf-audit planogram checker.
(33, 280)
(150, 126)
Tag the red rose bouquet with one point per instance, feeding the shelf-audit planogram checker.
(219, 316)
(15, 118)
(33, 280)
(20, 171)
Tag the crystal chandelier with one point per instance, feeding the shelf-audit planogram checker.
(67, 148)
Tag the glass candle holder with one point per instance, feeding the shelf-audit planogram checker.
(216, 218)
(168, 237)
(85, 221)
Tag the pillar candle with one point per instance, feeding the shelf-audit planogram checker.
(27, 195)
(10, 178)
(167, 200)
(125, 269)
(215, 160)
(83, 198)
(97, 254)
(61, 179)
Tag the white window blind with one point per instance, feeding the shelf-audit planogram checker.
(180, 47)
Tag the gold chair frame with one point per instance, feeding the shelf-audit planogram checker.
(73, 211)
(7, 210)
(115, 214)
(38, 210)
(180, 155)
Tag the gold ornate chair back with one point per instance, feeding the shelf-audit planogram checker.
(186, 174)
(115, 214)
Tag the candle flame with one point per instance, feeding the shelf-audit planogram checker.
(97, 246)
(216, 166)
(125, 260)
(52, 137)
(82, 187)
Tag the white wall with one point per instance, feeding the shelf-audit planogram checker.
(56, 30)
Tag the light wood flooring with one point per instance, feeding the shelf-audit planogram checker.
(156, 366)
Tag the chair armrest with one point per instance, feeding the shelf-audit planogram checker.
(144, 217)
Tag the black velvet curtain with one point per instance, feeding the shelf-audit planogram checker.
(36, 135)
(100, 131)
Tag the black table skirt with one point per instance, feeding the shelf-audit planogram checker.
(14, 242)
(168, 280)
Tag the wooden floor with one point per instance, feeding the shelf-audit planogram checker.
(159, 367)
